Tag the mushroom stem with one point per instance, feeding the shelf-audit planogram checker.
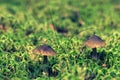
(94, 53)
(45, 59)
(94, 50)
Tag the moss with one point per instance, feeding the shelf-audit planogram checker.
(28, 25)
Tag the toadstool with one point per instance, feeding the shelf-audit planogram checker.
(45, 51)
(94, 42)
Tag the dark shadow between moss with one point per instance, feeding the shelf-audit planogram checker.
(97, 56)
(90, 77)
(62, 30)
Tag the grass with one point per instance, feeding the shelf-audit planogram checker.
(27, 24)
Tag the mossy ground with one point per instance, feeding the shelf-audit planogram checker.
(64, 25)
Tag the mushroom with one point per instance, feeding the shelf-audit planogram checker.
(94, 42)
(45, 51)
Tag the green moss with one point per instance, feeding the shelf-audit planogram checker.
(26, 24)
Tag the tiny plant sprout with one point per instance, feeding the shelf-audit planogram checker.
(94, 42)
(104, 65)
(45, 51)
(52, 27)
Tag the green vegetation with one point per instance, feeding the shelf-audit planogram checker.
(64, 25)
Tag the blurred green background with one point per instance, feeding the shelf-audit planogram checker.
(64, 25)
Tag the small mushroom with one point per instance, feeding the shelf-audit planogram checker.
(45, 51)
(94, 42)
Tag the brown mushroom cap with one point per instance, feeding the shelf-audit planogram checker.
(44, 50)
(95, 42)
